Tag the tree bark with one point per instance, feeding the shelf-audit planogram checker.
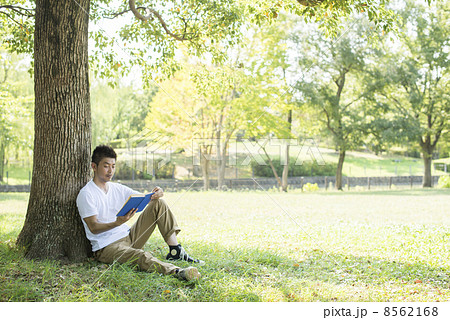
(427, 152)
(53, 228)
(272, 167)
(427, 183)
(223, 156)
(339, 169)
(204, 164)
(2, 160)
(285, 173)
(221, 167)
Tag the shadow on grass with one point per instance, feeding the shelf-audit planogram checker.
(319, 265)
(230, 274)
(234, 274)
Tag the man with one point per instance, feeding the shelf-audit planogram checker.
(112, 240)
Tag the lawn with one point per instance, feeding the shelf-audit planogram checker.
(258, 246)
(16, 174)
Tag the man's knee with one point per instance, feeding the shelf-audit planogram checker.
(161, 202)
(157, 202)
(157, 205)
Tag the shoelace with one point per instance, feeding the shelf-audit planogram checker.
(185, 256)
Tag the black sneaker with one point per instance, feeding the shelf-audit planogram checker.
(188, 274)
(178, 253)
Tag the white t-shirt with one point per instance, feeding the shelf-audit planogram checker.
(93, 201)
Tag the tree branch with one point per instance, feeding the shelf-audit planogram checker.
(271, 165)
(356, 99)
(6, 70)
(17, 22)
(151, 13)
(27, 13)
(310, 3)
(121, 13)
(438, 134)
(396, 103)
(329, 121)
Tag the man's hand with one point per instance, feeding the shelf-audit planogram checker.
(122, 219)
(158, 193)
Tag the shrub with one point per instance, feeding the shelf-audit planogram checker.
(166, 171)
(444, 182)
(125, 172)
(309, 187)
(307, 169)
(439, 166)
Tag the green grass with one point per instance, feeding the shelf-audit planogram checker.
(362, 165)
(17, 175)
(258, 246)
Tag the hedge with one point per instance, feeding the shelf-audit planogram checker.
(306, 169)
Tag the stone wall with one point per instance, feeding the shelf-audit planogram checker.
(18, 188)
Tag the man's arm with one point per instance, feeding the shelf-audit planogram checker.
(98, 227)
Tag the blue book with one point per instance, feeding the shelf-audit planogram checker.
(139, 201)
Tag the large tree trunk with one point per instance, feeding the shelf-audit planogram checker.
(53, 228)
(339, 169)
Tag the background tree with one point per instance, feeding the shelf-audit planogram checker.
(16, 109)
(268, 59)
(222, 92)
(173, 112)
(118, 113)
(415, 79)
(330, 83)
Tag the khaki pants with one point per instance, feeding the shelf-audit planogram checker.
(129, 248)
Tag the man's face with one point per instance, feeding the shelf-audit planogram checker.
(104, 171)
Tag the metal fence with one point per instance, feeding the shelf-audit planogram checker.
(323, 183)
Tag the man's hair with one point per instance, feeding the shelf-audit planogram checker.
(101, 152)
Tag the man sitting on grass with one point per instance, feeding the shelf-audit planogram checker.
(112, 240)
